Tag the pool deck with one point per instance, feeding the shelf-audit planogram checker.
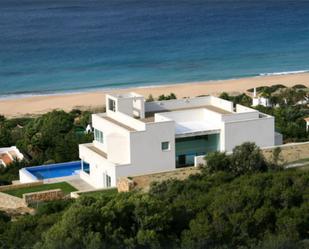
(75, 181)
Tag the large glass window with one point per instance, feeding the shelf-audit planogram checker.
(111, 105)
(189, 147)
(98, 136)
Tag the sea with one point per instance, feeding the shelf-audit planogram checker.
(62, 46)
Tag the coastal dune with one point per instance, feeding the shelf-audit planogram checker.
(36, 105)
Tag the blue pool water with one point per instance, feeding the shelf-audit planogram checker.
(55, 170)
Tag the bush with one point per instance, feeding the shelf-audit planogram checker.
(247, 158)
(217, 161)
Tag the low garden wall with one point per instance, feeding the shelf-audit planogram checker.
(289, 152)
(18, 186)
(49, 195)
(125, 184)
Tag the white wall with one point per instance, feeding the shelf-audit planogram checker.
(118, 153)
(176, 104)
(146, 154)
(221, 103)
(199, 160)
(127, 120)
(26, 177)
(98, 167)
(240, 116)
(260, 131)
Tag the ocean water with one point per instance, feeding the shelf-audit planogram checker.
(57, 46)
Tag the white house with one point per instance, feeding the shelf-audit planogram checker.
(135, 137)
(9, 154)
(259, 100)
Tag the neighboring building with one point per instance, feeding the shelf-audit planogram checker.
(258, 100)
(9, 154)
(135, 137)
(307, 123)
(88, 129)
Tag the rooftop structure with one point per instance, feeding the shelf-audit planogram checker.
(135, 137)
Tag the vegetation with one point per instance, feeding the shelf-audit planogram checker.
(50, 138)
(252, 207)
(64, 186)
(241, 99)
(245, 159)
(100, 193)
(161, 97)
(8, 174)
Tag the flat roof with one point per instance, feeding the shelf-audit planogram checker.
(149, 116)
(98, 151)
(118, 123)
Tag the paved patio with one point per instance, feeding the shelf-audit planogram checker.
(75, 181)
(80, 184)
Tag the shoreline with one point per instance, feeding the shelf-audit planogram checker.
(94, 98)
(12, 96)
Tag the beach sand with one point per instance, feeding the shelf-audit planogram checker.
(94, 100)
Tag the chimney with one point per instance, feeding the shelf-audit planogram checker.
(254, 92)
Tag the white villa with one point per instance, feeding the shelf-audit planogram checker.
(135, 137)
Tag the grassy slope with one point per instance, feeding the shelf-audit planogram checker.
(65, 187)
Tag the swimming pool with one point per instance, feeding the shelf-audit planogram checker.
(56, 170)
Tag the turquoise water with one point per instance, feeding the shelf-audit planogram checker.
(58, 46)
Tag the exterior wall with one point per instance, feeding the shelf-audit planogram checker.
(221, 103)
(278, 138)
(146, 154)
(26, 177)
(99, 166)
(175, 104)
(116, 140)
(199, 160)
(127, 120)
(243, 116)
(129, 105)
(260, 131)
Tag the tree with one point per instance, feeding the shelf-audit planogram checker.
(150, 98)
(247, 158)
(217, 161)
(224, 95)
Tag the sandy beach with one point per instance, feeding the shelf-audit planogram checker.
(92, 100)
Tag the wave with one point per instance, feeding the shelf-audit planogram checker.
(284, 73)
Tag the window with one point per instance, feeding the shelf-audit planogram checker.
(165, 146)
(98, 136)
(85, 167)
(111, 105)
(108, 181)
